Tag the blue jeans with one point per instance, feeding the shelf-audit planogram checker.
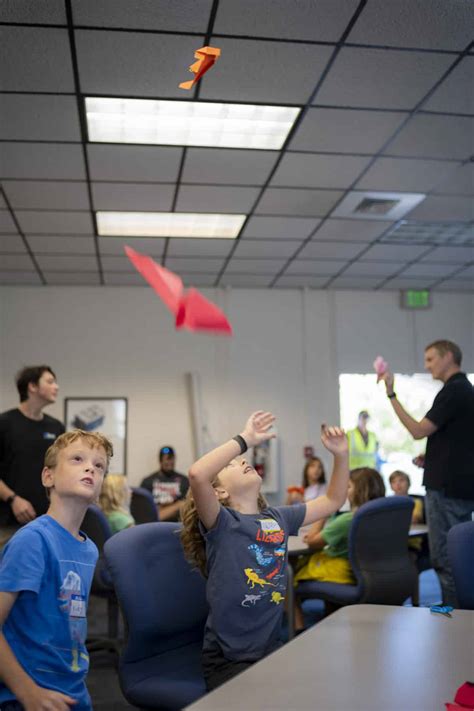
(442, 513)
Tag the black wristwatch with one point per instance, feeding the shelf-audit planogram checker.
(9, 500)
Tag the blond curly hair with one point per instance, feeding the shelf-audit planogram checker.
(191, 537)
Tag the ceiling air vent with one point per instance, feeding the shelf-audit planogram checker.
(361, 205)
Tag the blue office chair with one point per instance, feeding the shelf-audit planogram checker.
(378, 554)
(164, 606)
(142, 506)
(461, 557)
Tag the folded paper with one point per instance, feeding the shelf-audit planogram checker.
(191, 309)
(207, 57)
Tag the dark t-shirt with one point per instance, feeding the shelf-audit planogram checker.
(23, 444)
(449, 460)
(246, 561)
(166, 487)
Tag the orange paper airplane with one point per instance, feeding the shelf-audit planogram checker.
(206, 57)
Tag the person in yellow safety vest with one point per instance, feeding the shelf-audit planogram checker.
(363, 444)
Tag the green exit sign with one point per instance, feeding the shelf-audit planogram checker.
(416, 299)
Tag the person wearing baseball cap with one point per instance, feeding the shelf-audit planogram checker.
(168, 486)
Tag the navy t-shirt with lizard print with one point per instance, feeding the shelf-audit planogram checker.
(246, 562)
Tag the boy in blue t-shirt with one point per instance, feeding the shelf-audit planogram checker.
(45, 578)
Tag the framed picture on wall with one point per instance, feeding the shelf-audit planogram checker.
(101, 414)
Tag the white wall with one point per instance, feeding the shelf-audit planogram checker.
(288, 349)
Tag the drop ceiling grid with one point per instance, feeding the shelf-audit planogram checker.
(50, 169)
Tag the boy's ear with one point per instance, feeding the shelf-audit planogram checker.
(47, 477)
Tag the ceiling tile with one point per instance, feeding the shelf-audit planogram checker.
(46, 66)
(61, 244)
(325, 20)
(395, 252)
(415, 23)
(27, 12)
(331, 250)
(315, 267)
(36, 117)
(134, 163)
(255, 266)
(42, 160)
(76, 263)
(265, 248)
(123, 279)
(182, 247)
(12, 243)
(133, 197)
(459, 182)
(348, 282)
(444, 207)
(20, 278)
(343, 230)
(456, 285)
(345, 130)
(408, 283)
(246, 280)
(118, 263)
(152, 246)
(55, 222)
(199, 279)
(134, 64)
(6, 223)
(380, 78)
(18, 262)
(374, 269)
(467, 273)
(292, 201)
(182, 16)
(404, 175)
(434, 136)
(72, 278)
(274, 72)
(297, 281)
(429, 270)
(297, 228)
(453, 95)
(47, 195)
(238, 167)
(318, 171)
(450, 255)
(187, 264)
(201, 198)
(348, 230)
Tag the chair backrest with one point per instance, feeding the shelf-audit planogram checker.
(162, 598)
(378, 550)
(96, 526)
(142, 506)
(461, 557)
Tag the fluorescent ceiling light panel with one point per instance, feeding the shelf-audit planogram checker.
(169, 224)
(188, 123)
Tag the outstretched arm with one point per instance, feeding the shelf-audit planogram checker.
(417, 429)
(204, 471)
(335, 440)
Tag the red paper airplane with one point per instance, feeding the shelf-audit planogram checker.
(206, 57)
(191, 309)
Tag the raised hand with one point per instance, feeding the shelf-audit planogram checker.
(257, 428)
(388, 379)
(334, 439)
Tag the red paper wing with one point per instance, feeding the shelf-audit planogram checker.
(196, 313)
(167, 285)
(465, 695)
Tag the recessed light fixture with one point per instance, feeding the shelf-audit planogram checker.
(377, 205)
(169, 224)
(188, 123)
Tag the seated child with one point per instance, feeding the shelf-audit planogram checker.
(239, 544)
(330, 562)
(45, 577)
(313, 484)
(400, 483)
(114, 500)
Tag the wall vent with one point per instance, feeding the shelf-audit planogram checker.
(361, 205)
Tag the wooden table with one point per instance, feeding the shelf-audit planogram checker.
(361, 658)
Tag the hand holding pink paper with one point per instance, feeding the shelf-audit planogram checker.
(191, 309)
(380, 367)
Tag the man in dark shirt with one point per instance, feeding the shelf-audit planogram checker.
(449, 458)
(167, 486)
(25, 435)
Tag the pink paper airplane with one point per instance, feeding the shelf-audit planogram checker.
(380, 366)
(191, 309)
